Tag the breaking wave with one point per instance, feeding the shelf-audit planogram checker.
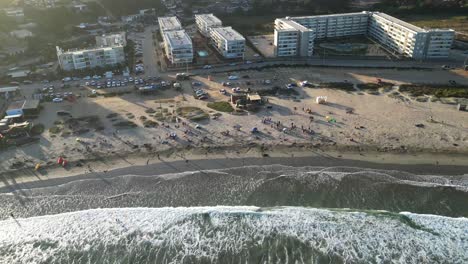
(263, 186)
(234, 235)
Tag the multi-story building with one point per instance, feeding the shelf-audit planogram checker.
(409, 40)
(118, 39)
(168, 24)
(293, 39)
(394, 34)
(178, 47)
(90, 58)
(205, 22)
(228, 42)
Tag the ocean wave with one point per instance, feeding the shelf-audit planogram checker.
(234, 235)
(263, 186)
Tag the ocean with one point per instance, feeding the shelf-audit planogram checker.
(250, 214)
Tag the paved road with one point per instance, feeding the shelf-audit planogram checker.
(333, 62)
(149, 53)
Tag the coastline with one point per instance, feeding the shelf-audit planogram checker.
(207, 158)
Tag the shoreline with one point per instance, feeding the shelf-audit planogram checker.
(195, 159)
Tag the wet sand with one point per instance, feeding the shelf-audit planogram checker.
(149, 164)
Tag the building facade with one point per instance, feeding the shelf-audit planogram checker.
(406, 39)
(395, 35)
(90, 58)
(118, 39)
(228, 42)
(178, 47)
(293, 39)
(205, 22)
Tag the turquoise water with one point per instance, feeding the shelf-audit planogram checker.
(202, 53)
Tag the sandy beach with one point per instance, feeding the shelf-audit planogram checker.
(382, 127)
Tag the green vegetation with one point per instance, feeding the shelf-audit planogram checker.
(276, 90)
(435, 90)
(55, 129)
(150, 123)
(346, 86)
(374, 88)
(192, 113)
(37, 129)
(221, 106)
(126, 7)
(125, 124)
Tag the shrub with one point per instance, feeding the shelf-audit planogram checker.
(221, 106)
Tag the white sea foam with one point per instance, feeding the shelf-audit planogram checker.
(233, 235)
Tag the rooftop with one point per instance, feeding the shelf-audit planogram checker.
(79, 51)
(169, 23)
(178, 38)
(290, 24)
(228, 33)
(9, 89)
(31, 104)
(209, 19)
(332, 15)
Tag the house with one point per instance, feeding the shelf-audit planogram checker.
(31, 108)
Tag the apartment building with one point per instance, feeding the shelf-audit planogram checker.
(293, 39)
(90, 58)
(409, 40)
(336, 25)
(117, 39)
(205, 22)
(228, 42)
(392, 33)
(178, 47)
(168, 24)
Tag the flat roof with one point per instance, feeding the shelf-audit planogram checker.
(31, 104)
(9, 89)
(92, 49)
(229, 33)
(293, 25)
(169, 23)
(178, 38)
(332, 15)
(209, 19)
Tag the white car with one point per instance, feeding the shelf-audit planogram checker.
(93, 91)
(57, 100)
(233, 77)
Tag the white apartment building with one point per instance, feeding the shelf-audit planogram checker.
(117, 39)
(168, 24)
(228, 42)
(394, 34)
(409, 40)
(178, 47)
(205, 22)
(90, 58)
(293, 39)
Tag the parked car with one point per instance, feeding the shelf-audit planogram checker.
(57, 100)
(207, 67)
(233, 77)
